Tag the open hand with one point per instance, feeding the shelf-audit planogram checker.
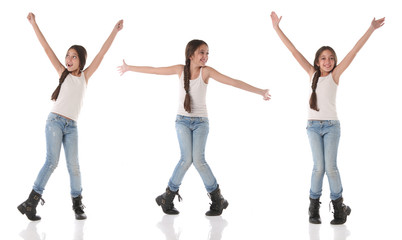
(123, 68)
(377, 23)
(275, 19)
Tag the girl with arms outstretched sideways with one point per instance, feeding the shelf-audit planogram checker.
(192, 124)
(61, 125)
(323, 127)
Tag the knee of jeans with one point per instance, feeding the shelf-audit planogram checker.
(199, 162)
(332, 172)
(319, 168)
(186, 161)
(74, 170)
(51, 166)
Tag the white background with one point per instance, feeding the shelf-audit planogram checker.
(258, 150)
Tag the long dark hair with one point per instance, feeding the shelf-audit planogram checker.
(191, 47)
(317, 75)
(82, 56)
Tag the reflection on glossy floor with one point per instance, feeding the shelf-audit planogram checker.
(128, 219)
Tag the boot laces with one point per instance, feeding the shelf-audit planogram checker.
(178, 196)
(42, 201)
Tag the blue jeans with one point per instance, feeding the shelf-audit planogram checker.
(192, 133)
(60, 130)
(324, 140)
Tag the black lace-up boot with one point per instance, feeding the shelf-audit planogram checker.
(314, 211)
(29, 206)
(341, 211)
(78, 208)
(218, 203)
(166, 201)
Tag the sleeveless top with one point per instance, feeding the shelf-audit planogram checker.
(326, 100)
(198, 92)
(70, 99)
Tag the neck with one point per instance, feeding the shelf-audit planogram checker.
(194, 68)
(76, 73)
(324, 74)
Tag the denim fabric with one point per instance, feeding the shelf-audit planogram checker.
(192, 133)
(324, 140)
(60, 130)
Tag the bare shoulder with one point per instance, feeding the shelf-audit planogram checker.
(207, 70)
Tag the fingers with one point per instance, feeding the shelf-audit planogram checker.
(267, 96)
(30, 16)
(119, 25)
(378, 23)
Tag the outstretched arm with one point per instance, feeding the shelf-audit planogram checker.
(49, 52)
(176, 69)
(99, 57)
(210, 72)
(352, 54)
(298, 56)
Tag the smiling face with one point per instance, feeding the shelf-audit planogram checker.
(200, 56)
(72, 61)
(326, 61)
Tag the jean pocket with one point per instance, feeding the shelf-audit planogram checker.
(179, 118)
(52, 117)
(309, 124)
(204, 119)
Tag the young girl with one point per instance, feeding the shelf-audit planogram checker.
(61, 125)
(192, 124)
(323, 126)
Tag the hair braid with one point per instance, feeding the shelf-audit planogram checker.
(191, 47)
(186, 77)
(313, 98)
(61, 80)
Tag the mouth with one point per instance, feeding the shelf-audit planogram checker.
(69, 65)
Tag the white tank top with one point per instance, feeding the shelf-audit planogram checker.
(198, 92)
(326, 100)
(71, 96)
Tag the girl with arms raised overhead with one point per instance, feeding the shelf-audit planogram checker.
(61, 125)
(323, 127)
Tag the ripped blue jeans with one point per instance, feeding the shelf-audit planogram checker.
(60, 131)
(324, 140)
(192, 133)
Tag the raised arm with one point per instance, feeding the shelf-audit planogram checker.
(99, 57)
(212, 73)
(298, 56)
(176, 69)
(49, 52)
(352, 54)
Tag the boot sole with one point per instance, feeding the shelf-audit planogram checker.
(158, 201)
(216, 213)
(23, 211)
